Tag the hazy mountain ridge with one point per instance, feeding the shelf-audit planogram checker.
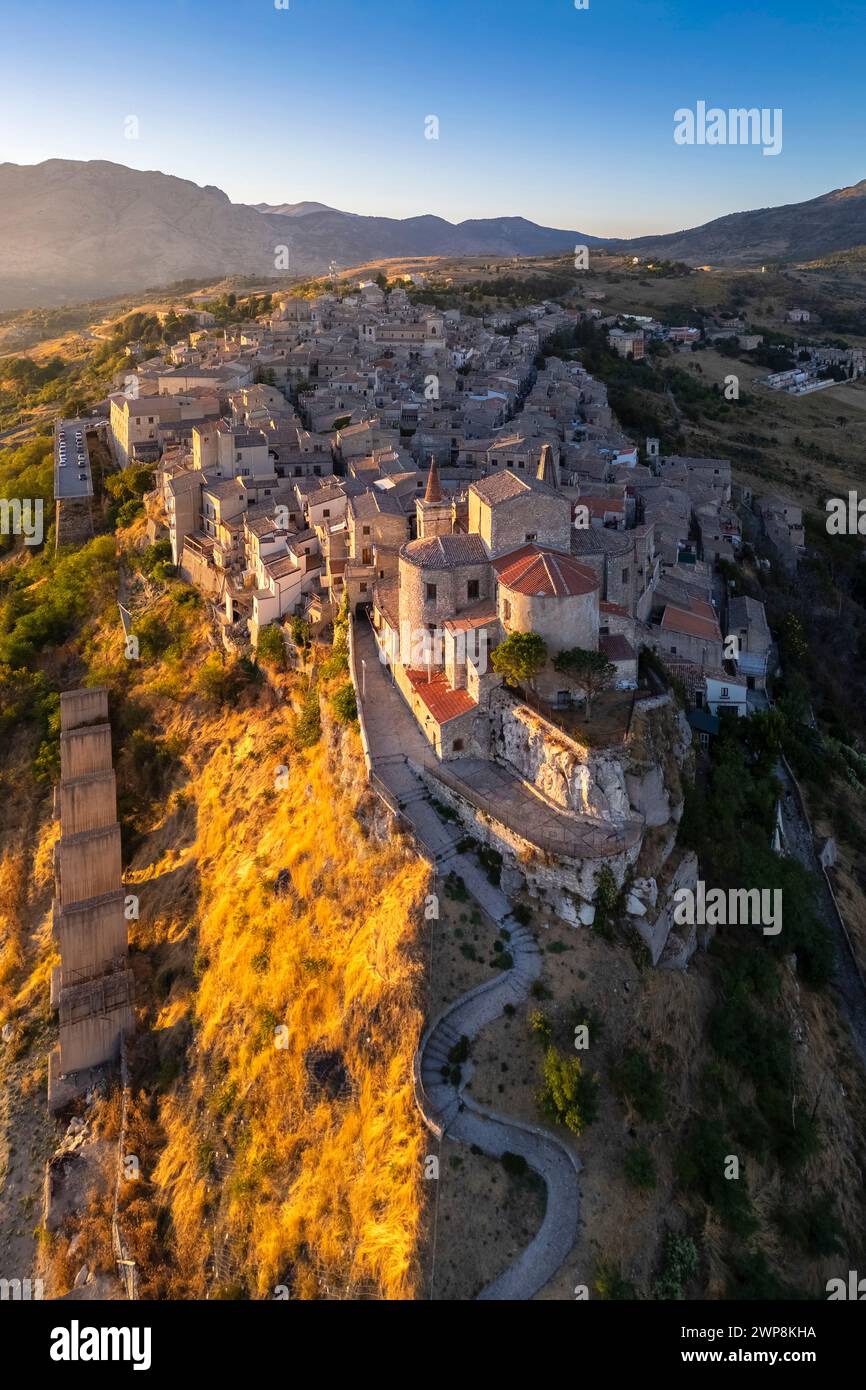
(72, 230)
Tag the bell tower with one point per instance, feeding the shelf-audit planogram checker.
(433, 510)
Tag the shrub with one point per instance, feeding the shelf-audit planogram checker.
(640, 1169)
(611, 1286)
(220, 682)
(540, 1024)
(308, 727)
(679, 1265)
(515, 1164)
(301, 633)
(635, 1080)
(814, 1227)
(154, 555)
(569, 1095)
(608, 903)
(701, 1168)
(271, 647)
(344, 704)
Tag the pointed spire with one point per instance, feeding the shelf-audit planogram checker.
(434, 491)
(547, 467)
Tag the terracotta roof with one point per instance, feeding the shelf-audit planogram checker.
(605, 606)
(441, 699)
(433, 491)
(387, 600)
(599, 506)
(479, 615)
(446, 552)
(535, 570)
(678, 620)
(597, 540)
(500, 487)
(616, 647)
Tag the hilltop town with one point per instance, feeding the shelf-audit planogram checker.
(387, 555)
(452, 483)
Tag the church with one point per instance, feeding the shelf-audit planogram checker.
(497, 561)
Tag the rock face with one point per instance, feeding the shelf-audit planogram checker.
(587, 781)
(649, 795)
(640, 779)
(670, 946)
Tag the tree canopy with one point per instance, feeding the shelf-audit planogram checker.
(520, 657)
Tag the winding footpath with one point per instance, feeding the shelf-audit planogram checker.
(396, 749)
(449, 1110)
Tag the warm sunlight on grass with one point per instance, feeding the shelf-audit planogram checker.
(306, 1156)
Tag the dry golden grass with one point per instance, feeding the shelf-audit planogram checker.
(288, 1172)
(13, 895)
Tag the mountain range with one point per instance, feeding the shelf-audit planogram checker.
(73, 230)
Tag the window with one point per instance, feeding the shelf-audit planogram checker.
(506, 610)
(431, 593)
(363, 588)
(532, 535)
(457, 745)
(365, 530)
(625, 575)
(472, 589)
(673, 651)
(366, 555)
(724, 692)
(326, 511)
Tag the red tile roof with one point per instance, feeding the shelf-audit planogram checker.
(678, 620)
(441, 699)
(533, 569)
(616, 647)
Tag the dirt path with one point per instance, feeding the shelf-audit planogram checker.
(27, 1140)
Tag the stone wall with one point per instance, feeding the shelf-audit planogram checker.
(641, 779)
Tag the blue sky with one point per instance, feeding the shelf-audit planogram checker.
(560, 115)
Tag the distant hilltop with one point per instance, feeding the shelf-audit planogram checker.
(127, 229)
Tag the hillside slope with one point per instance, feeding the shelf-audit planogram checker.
(797, 231)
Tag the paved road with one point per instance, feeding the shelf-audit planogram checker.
(72, 478)
(392, 735)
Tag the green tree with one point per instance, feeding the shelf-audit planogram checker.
(569, 1095)
(591, 672)
(520, 658)
(271, 647)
